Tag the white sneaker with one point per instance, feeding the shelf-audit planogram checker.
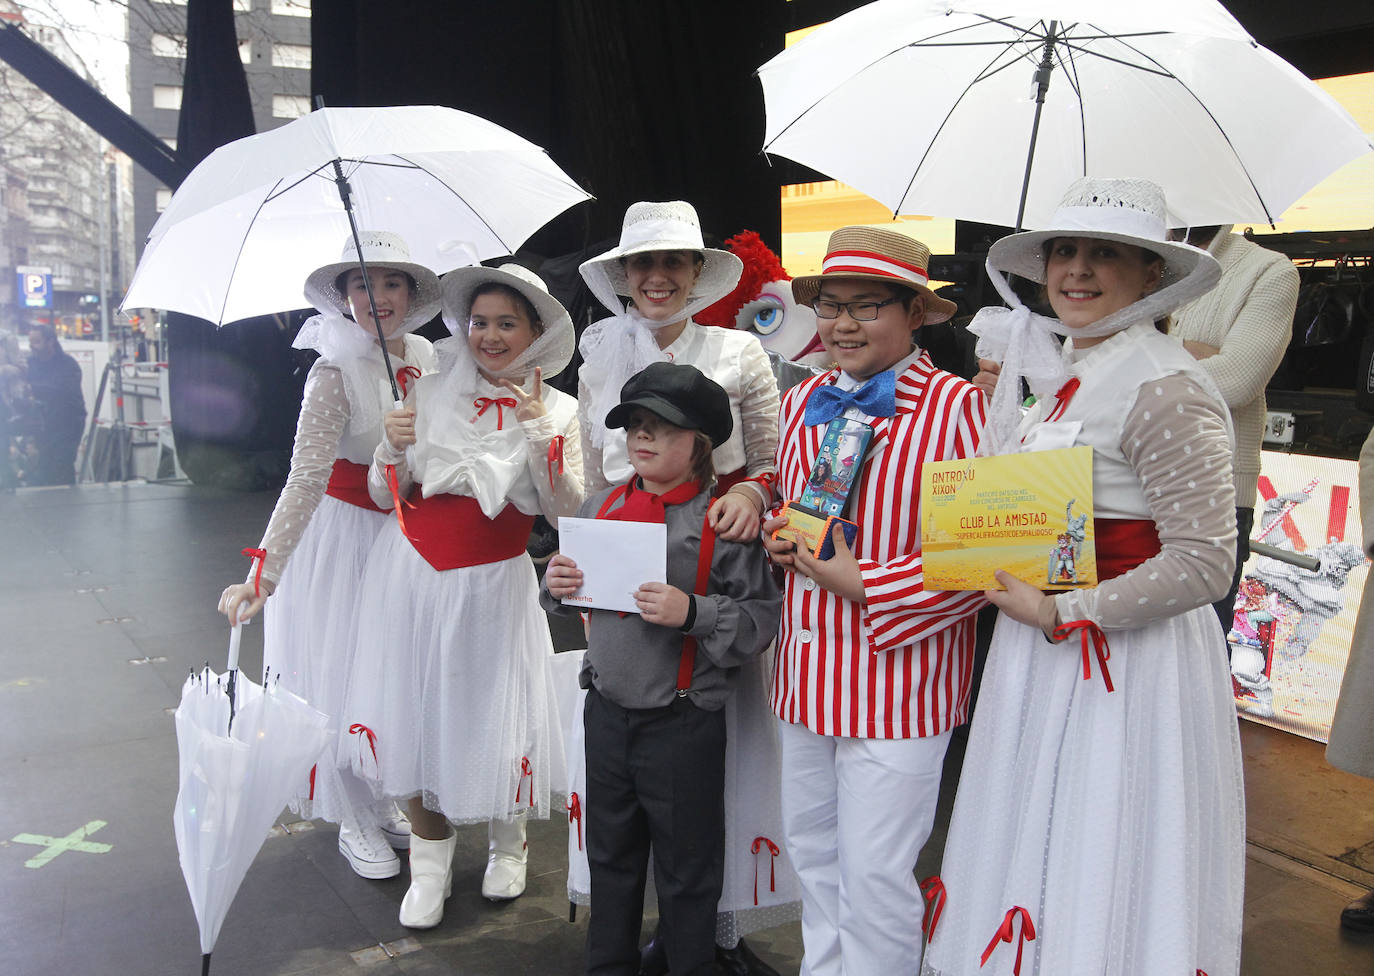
(394, 824)
(368, 853)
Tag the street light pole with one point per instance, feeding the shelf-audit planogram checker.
(104, 249)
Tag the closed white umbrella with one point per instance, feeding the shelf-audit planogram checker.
(238, 767)
(930, 107)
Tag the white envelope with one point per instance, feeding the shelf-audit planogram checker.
(615, 559)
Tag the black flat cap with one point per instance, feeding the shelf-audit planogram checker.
(681, 395)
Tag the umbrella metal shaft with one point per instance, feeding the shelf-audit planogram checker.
(1042, 86)
(345, 194)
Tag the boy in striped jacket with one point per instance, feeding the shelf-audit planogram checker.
(872, 670)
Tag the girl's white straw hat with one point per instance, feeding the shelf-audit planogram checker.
(661, 226)
(381, 249)
(1128, 211)
(557, 339)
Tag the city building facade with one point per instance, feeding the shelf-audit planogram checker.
(66, 203)
(274, 45)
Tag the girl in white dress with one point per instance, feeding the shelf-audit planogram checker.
(323, 526)
(451, 672)
(667, 274)
(1099, 825)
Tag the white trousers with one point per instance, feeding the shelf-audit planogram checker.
(856, 813)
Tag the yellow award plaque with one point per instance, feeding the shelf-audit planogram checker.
(1030, 514)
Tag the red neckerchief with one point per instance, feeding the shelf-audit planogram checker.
(644, 506)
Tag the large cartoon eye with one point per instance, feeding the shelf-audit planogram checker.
(764, 316)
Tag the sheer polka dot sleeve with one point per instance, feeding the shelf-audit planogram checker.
(555, 462)
(594, 475)
(324, 415)
(1175, 438)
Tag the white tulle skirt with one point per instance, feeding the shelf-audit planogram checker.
(760, 888)
(308, 636)
(452, 675)
(1116, 820)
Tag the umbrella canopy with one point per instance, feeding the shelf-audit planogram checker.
(233, 785)
(929, 105)
(259, 214)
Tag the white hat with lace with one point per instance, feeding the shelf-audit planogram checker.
(663, 226)
(1128, 211)
(380, 249)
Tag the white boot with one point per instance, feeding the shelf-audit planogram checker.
(506, 855)
(431, 881)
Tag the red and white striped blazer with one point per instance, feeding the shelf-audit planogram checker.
(900, 666)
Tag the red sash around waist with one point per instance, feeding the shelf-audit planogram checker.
(450, 531)
(1123, 544)
(348, 483)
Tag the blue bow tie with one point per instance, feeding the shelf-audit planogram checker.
(876, 398)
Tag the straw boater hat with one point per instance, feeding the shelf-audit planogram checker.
(555, 343)
(874, 254)
(1127, 211)
(666, 226)
(383, 250)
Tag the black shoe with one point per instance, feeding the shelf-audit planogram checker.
(1359, 914)
(653, 958)
(741, 961)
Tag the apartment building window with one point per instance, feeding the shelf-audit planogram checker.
(171, 142)
(246, 51)
(179, 3)
(243, 6)
(290, 106)
(291, 8)
(169, 45)
(291, 55)
(164, 198)
(167, 96)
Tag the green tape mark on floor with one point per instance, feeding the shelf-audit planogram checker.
(53, 846)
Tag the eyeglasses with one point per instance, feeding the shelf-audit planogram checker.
(858, 311)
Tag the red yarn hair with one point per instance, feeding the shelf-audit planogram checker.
(761, 266)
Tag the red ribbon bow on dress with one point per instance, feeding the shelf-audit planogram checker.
(555, 458)
(359, 729)
(261, 556)
(1004, 934)
(934, 891)
(525, 770)
(575, 813)
(482, 403)
(1092, 640)
(773, 852)
(1062, 398)
(403, 377)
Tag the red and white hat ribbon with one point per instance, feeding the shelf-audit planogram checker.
(873, 263)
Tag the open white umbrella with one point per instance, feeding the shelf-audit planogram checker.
(240, 759)
(259, 214)
(933, 107)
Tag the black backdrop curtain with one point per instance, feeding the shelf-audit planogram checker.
(636, 99)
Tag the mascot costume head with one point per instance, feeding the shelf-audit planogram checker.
(762, 303)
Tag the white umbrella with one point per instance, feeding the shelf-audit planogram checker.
(258, 214)
(930, 107)
(233, 784)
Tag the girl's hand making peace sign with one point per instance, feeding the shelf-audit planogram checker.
(531, 404)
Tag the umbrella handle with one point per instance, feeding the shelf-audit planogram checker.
(235, 636)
